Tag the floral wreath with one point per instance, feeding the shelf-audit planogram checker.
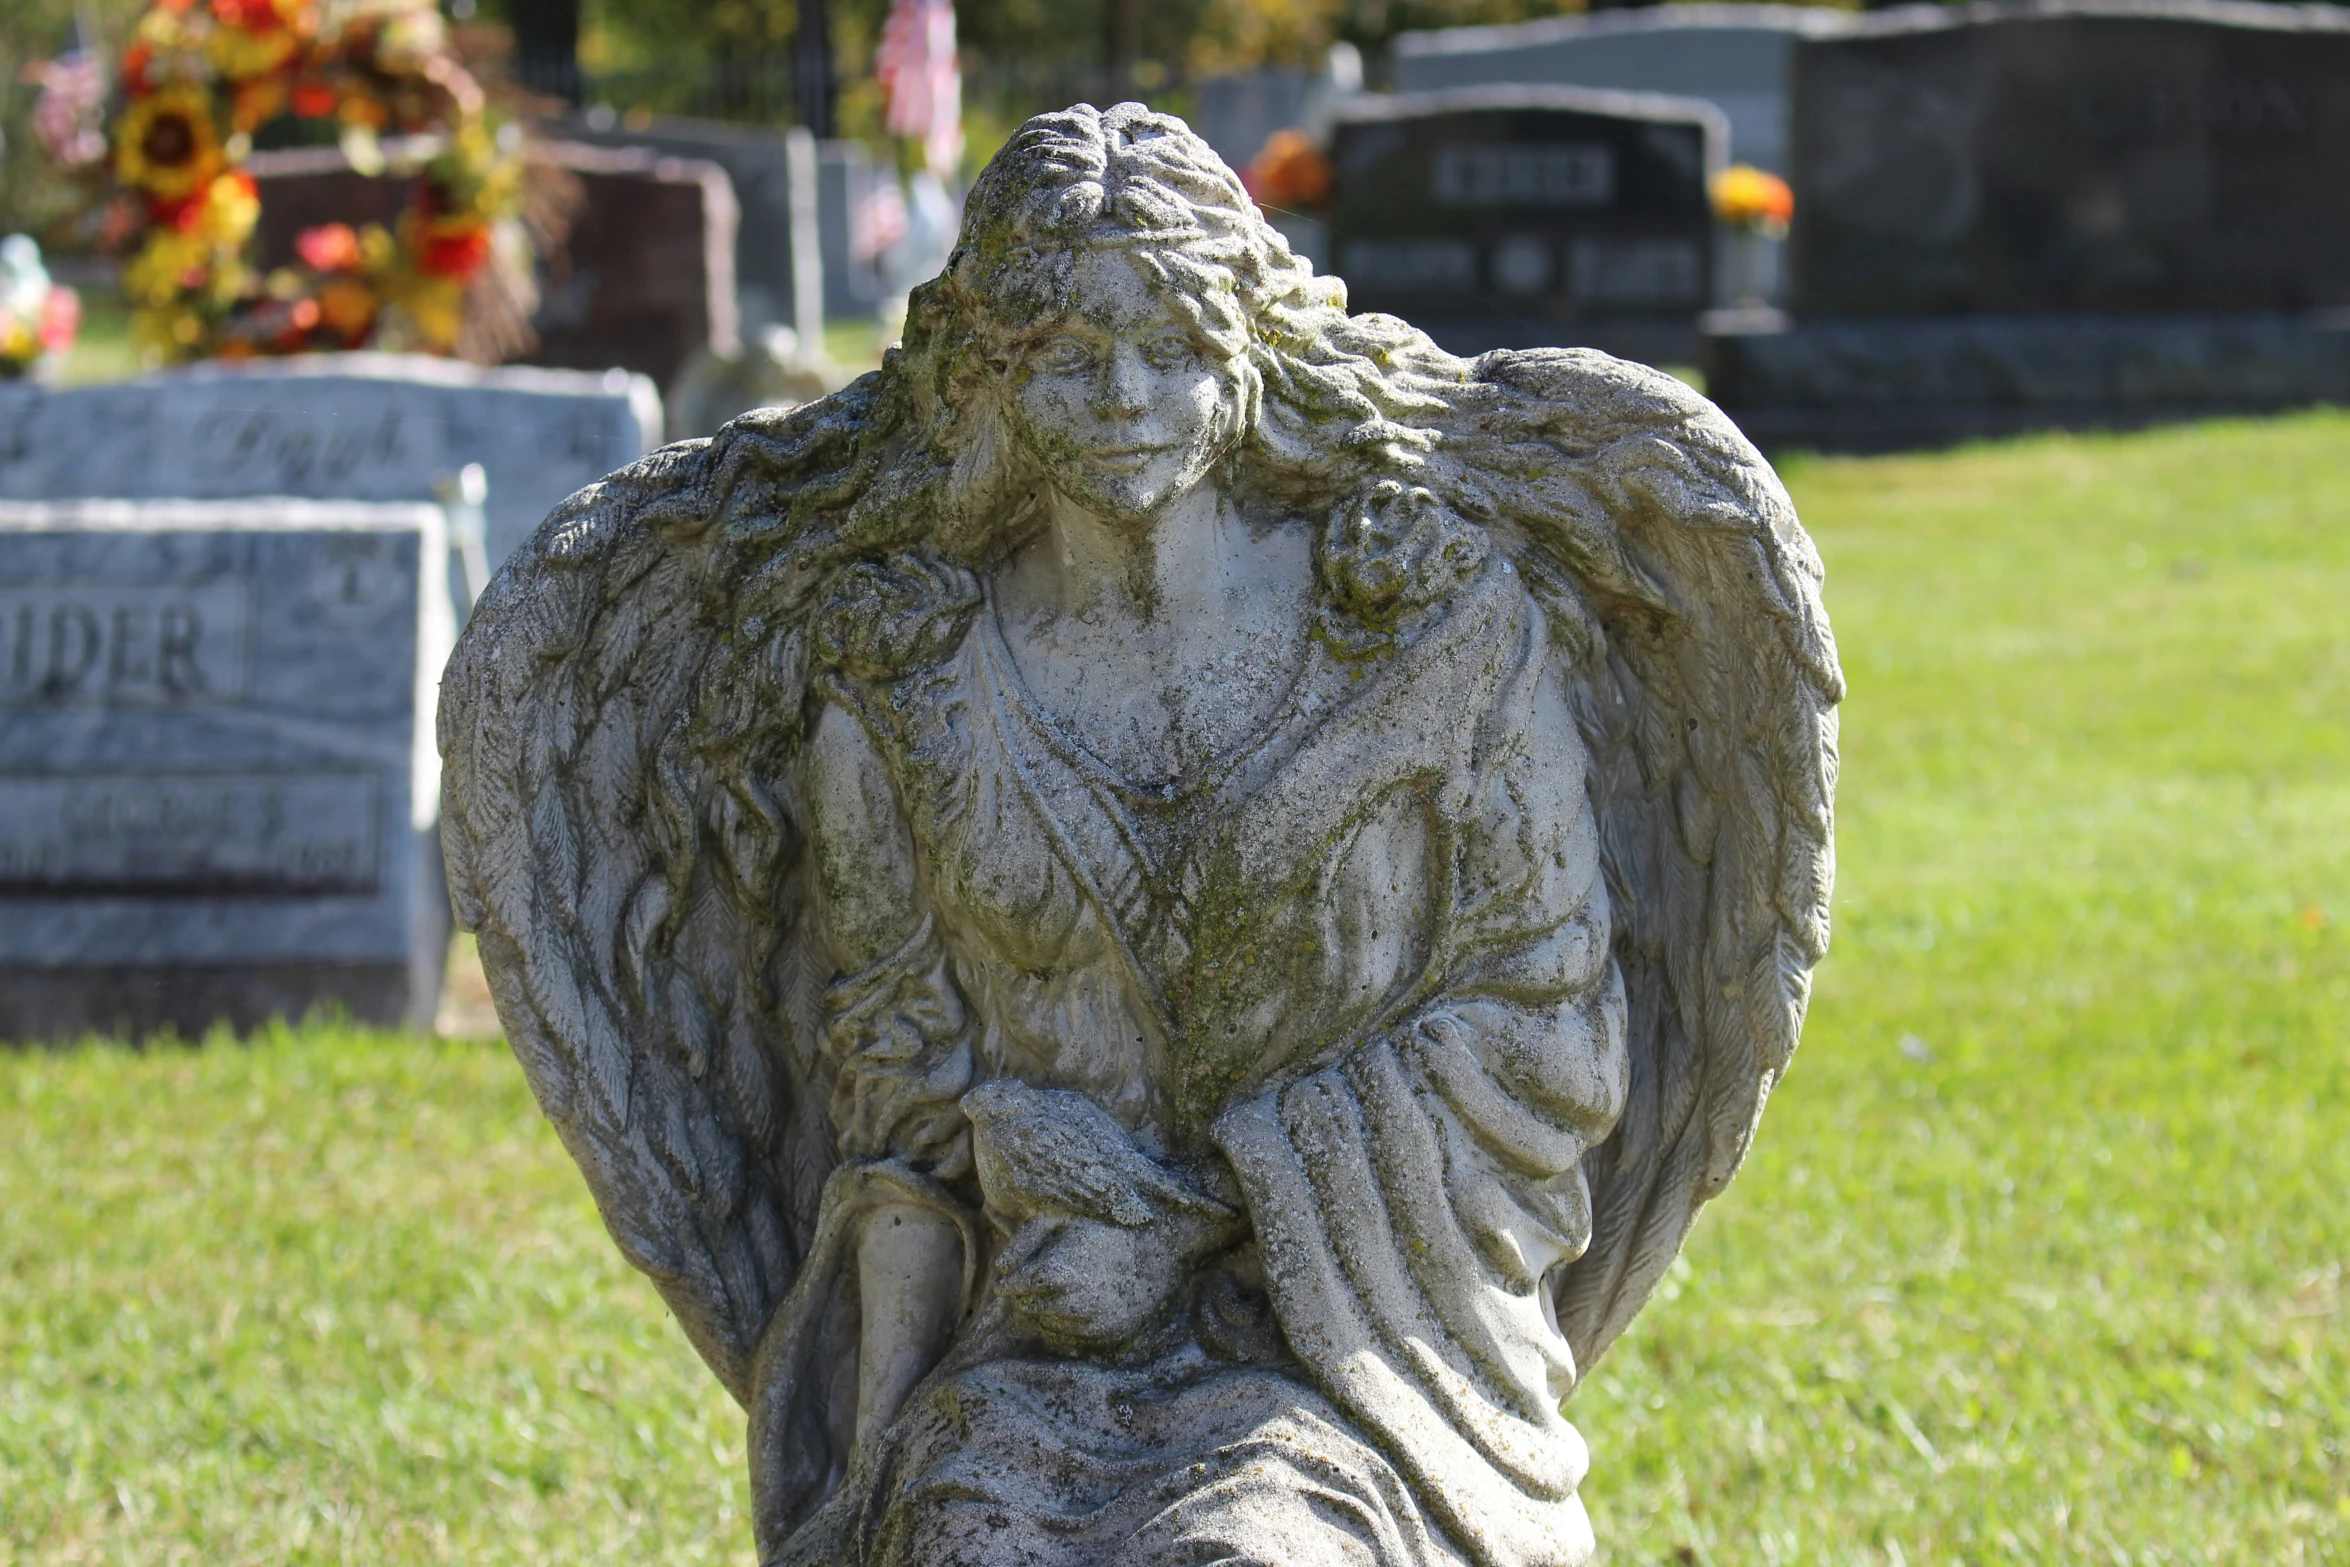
(202, 76)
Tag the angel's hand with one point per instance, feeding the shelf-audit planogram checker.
(885, 1112)
(1103, 1236)
(1089, 1285)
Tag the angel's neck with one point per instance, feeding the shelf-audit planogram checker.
(1172, 565)
(1164, 647)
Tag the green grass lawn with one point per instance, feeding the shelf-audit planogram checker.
(2040, 1256)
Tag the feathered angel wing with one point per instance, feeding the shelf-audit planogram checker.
(1672, 565)
(636, 901)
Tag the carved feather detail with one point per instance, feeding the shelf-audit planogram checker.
(1707, 701)
(634, 902)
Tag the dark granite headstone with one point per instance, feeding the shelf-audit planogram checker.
(646, 279)
(2181, 155)
(760, 163)
(1868, 384)
(1516, 217)
(2027, 214)
(219, 790)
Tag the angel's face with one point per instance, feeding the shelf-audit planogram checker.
(1119, 399)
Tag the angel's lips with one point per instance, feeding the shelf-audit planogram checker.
(1126, 459)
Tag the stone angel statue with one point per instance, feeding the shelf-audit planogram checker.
(1155, 920)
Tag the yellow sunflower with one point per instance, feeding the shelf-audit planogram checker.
(167, 145)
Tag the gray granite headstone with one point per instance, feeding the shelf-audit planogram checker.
(2158, 155)
(1239, 112)
(1524, 216)
(1736, 57)
(218, 781)
(371, 427)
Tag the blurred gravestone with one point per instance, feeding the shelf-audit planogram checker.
(646, 279)
(2024, 213)
(370, 427)
(1520, 217)
(2162, 157)
(857, 203)
(219, 790)
(767, 247)
(1239, 112)
(1735, 57)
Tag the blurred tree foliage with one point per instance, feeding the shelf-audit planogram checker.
(1180, 39)
(1024, 55)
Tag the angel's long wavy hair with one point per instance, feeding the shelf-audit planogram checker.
(1326, 402)
(915, 461)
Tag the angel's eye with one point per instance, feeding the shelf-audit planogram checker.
(1062, 356)
(1167, 351)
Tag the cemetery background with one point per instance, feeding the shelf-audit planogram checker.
(2040, 1258)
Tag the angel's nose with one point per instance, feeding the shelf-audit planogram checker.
(1125, 383)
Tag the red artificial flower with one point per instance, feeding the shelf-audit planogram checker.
(313, 100)
(135, 61)
(185, 214)
(255, 16)
(61, 319)
(457, 254)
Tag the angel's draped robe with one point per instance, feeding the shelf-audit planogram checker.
(1363, 961)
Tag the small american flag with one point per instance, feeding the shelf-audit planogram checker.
(920, 72)
(73, 87)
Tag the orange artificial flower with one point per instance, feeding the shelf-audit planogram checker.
(347, 307)
(1746, 197)
(1290, 172)
(256, 103)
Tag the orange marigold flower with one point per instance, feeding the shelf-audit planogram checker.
(348, 307)
(1747, 197)
(1290, 172)
(257, 102)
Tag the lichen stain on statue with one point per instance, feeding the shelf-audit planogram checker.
(1155, 920)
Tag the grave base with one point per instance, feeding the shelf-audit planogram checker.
(137, 1001)
(1890, 385)
(1658, 341)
